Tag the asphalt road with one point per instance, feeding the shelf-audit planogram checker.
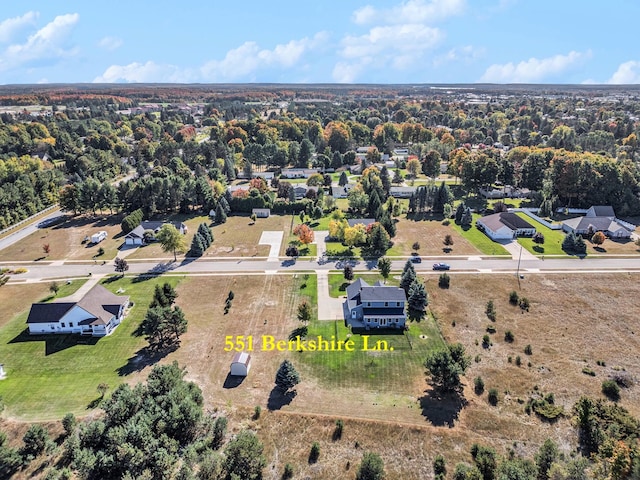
(47, 271)
(27, 230)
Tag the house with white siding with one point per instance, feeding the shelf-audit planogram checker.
(505, 226)
(98, 314)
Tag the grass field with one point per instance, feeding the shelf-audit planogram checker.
(238, 237)
(65, 240)
(387, 363)
(429, 233)
(483, 243)
(50, 375)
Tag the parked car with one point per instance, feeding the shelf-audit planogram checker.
(441, 266)
(416, 259)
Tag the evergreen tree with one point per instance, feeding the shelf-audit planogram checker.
(205, 233)
(371, 468)
(580, 246)
(388, 224)
(243, 457)
(286, 377)
(221, 215)
(467, 218)
(385, 179)
(459, 213)
(545, 457)
(408, 276)
(417, 299)
(343, 179)
(446, 366)
(197, 245)
(378, 240)
(569, 242)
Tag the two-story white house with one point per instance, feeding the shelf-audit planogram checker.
(375, 306)
(98, 314)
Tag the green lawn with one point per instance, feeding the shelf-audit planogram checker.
(386, 370)
(50, 375)
(479, 240)
(552, 239)
(336, 282)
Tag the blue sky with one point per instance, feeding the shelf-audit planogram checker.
(353, 41)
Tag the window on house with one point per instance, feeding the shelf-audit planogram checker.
(63, 325)
(71, 324)
(386, 304)
(397, 304)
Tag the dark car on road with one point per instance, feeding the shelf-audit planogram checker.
(416, 259)
(441, 266)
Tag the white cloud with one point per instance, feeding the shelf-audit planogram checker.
(533, 70)
(466, 54)
(410, 11)
(13, 26)
(145, 73)
(110, 43)
(46, 45)
(238, 63)
(249, 58)
(627, 73)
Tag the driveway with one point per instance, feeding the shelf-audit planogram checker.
(320, 240)
(329, 308)
(514, 248)
(274, 240)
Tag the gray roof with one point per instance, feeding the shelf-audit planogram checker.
(102, 304)
(382, 294)
(508, 219)
(48, 312)
(597, 224)
(98, 301)
(354, 289)
(602, 211)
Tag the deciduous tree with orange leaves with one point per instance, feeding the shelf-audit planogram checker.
(304, 233)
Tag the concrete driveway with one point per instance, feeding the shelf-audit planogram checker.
(514, 248)
(329, 308)
(274, 240)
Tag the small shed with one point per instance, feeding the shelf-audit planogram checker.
(98, 237)
(261, 212)
(2, 372)
(241, 364)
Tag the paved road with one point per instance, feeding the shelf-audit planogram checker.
(26, 231)
(42, 271)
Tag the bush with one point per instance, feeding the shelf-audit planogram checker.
(545, 408)
(337, 433)
(288, 472)
(528, 350)
(492, 397)
(491, 329)
(486, 341)
(100, 252)
(444, 281)
(490, 311)
(69, 423)
(439, 467)
(314, 454)
(478, 385)
(256, 412)
(524, 304)
(611, 389)
(518, 360)
(588, 371)
(514, 298)
(508, 336)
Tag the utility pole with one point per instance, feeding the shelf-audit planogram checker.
(518, 269)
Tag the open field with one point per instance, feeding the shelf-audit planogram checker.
(574, 321)
(235, 238)
(429, 233)
(65, 241)
(50, 375)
